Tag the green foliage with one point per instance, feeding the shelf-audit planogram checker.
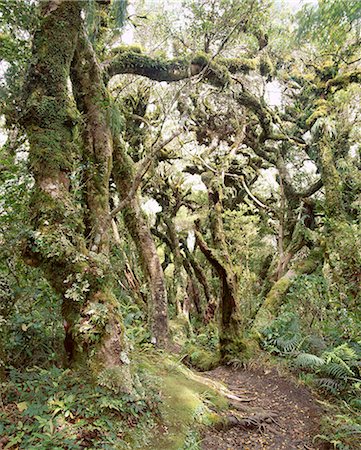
(342, 431)
(330, 21)
(201, 350)
(55, 408)
(334, 371)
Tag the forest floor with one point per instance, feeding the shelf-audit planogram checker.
(295, 413)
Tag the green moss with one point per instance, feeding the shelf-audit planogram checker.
(179, 330)
(234, 65)
(135, 48)
(117, 379)
(183, 405)
(276, 293)
(237, 350)
(322, 110)
(265, 65)
(202, 359)
(200, 59)
(219, 75)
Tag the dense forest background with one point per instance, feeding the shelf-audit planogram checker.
(180, 189)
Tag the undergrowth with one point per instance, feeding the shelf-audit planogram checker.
(58, 409)
(327, 362)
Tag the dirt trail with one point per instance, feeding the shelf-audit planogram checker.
(296, 414)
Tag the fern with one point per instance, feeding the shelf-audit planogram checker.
(338, 371)
(308, 361)
(288, 345)
(330, 385)
(355, 403)
(343, 352)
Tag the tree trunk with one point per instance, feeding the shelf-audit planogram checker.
(139, 229)
(179, 279)
(95, 334)
(276, 296)
(331, 179)
(231, 333)
(211, 306)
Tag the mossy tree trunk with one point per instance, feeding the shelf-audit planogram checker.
(95, 334)
(231, 332)
(192, 289)
(331, 179)
(210, 308)
(136, 222)
(179, 278)
(276, 295)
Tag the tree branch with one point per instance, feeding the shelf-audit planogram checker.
(142, 170)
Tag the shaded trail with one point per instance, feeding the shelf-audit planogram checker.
(295, 415)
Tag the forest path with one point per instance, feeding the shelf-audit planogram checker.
(294, 423)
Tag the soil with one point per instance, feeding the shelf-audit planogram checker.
(295, 414)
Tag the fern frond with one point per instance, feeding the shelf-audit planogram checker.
(288, 345)
(355, 403)
(338, 371)
(308, 361)
(343, 352)
(330, 385)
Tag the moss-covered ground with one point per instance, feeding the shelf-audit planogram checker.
(187, 401)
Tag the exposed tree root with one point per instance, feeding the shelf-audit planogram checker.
(250, 419)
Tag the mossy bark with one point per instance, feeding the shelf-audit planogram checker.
(95, 334)
(179, 278)
(231, 332)
(136, 222)
(93, 102)
(331, 179)
(276, 296)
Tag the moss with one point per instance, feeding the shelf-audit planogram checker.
(234, 65)
(237, 350)
(265, 65)
(202, 359)
(322, 110)
(219, 75)
(179, 330)
(183, 402)
(117, 379)
(135, 48)
(276, 293)
(200, 59)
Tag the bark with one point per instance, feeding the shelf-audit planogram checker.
(179, 282)
(231, 333)
(215, 72)
(93, 100)
(331, 179)
(136, 222)
(94, 330)
(202, 279)
(276, 296)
